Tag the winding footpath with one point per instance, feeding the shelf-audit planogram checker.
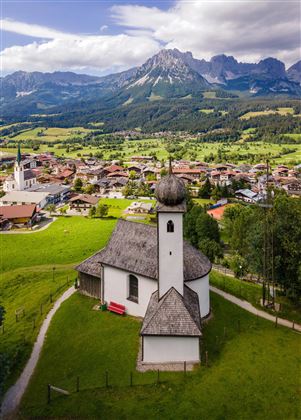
(13, 396)
(250, 308)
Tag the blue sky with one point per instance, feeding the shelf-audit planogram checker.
(100, 37)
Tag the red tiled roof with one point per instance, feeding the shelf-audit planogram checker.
(187, 171)
(114, 168)
(117, 174)
(13, 212)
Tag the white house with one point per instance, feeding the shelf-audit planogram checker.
(156, 275)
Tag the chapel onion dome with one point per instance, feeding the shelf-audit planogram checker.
(171, 190)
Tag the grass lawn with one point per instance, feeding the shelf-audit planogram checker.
(280, 111)
(67, 240)
(28, 280)
(253, 371)
(203, 201)
(30, 289)
(253, 293)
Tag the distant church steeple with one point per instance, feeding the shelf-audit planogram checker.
(19, 156)
(19, 171)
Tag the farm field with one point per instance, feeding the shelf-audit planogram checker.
(241, 361)
(280, 111)
(239, 152)
(48, 134)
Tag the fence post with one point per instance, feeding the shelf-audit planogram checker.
(185, 369)
(17, 319)
(48, 393)
(77, 384)
(206, 358)
(131, 379)
(33, 323)
(293, 325)
(276, 321)
(158, 376)
(225, 332)
(107, 379)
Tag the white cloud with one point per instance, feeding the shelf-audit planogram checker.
(248, 29)
(35, 31)
(83, 53)
(103, 28)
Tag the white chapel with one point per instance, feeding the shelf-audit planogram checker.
(155, 275)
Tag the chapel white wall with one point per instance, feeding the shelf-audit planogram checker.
(201, 287)
(158, 349)
(116, 288)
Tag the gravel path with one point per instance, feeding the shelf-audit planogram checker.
(13, 396)
(250, 308)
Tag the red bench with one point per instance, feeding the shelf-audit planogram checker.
(117, 308)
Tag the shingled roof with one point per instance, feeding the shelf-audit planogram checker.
(173, 314)
(133, 247)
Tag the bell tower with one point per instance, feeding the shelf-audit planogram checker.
(19, 171)
(170, 193)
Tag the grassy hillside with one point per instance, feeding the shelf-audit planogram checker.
(253, 370)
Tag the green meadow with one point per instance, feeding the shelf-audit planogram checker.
(50, 134)
(252, 373)
(238, 152)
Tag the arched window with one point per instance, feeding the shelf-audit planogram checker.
(170, 226)
(133, 288)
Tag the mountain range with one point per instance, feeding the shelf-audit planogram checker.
(168, 74)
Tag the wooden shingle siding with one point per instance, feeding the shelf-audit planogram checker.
(90, 285)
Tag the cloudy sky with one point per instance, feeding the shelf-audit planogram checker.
(104, 36)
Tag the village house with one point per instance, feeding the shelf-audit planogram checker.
(24, 215)
(56, 193)
(153, 273)
(20, 198)
(246, 195)
(83, 202)
(139, 207)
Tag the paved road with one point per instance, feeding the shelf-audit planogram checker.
(13, 396)
(250, 308)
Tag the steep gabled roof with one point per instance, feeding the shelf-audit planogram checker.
(133, 247)
(173, 314)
